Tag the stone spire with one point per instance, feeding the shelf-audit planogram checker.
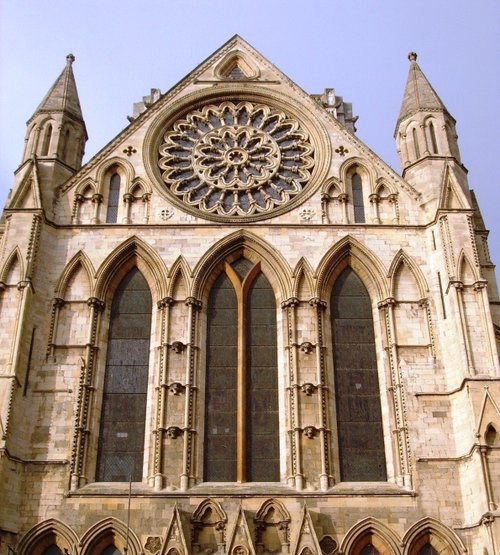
(426, 138)
(63, 95)
(419, 95)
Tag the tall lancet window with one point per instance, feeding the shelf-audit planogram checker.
(357, 198)
(46, 140)
(123, 414)
(432, 133)
(241, 385)
(113, 199)
(415, 143)
(357, 397)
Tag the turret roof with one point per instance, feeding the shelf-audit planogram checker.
(63, 95)
(419, 94)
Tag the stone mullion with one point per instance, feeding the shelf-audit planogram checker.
(128, 199)
(77, 205)
(191, 388)
(487, 322)
(399, 402)
(81, 433)
(424, 305)
(458, 287)
(393, 199)
(374, 199)
(483, 453)
(97, 199)
(295, 459)
(57, 304)
(324, 478)
(146, 197)
(161, 393)
(344, 200)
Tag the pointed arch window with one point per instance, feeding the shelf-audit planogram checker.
(46, 140)
(52, 550)
(415, 143)
(241, 388)
(65, 145)
(357, 396)
(123, 415)
(111, 550)
(113, 199)
(357, 198)
(428, 549)
(432, 133)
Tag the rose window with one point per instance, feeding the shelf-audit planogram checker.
(236, 159)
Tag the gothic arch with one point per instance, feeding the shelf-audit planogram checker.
(441, 537)
(375, 529)
(350, 252)
(14, 257)
(233, 60)
(209, 512)
(382, 185)
(125, 166)
(132, 252)
(46, 533)
(252, 247)
(333, 187)
(357, 164)
(302, 278)
(466, 271)
(180, 271)
(272, 512)
(107, 531)
(403, 258)
(138, 182)
(84, 185)
(79, 260)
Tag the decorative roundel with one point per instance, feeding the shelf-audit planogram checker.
(236, 160)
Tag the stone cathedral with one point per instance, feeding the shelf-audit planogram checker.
(236, 330)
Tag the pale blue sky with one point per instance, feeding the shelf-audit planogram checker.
(359, 47)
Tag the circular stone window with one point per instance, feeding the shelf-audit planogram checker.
(237, 161)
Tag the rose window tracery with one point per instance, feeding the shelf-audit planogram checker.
(237, 160)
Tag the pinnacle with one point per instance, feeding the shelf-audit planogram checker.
(419, 94)
(63, 95)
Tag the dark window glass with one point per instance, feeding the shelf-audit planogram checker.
(113, 199)
(415, 143)
(221, 382)
(251, 354)
(427, 549)
(357, 199)
(369, 550)
(359, 418)
(52, 550)
(46, 140)
(111, 550)
(121, 439)
(262, 439)
(432, 133)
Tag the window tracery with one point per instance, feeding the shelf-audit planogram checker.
(236, 159)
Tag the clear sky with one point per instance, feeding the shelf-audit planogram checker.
(359, 47)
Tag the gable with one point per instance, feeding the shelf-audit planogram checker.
(237, 141)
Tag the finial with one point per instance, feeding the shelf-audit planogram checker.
(70, 59)
(412, 56)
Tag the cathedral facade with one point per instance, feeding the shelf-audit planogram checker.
(236, 330)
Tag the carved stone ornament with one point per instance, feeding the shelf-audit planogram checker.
(308, 388)
(178, 346)
(176, 388)
(173, 432)
(310, 432)
(236, 160)
(153, 544)
(306, 347)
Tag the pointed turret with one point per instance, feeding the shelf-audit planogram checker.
(55, 137)
(425, 135)
(56, 131)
